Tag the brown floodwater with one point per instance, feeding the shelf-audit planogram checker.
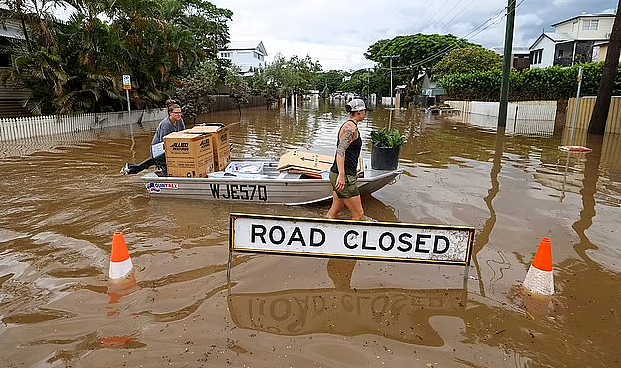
(62, 198)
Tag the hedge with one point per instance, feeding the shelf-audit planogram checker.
(553, 83)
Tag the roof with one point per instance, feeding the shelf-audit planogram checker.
(602, 15)
(10, 29)
(554, 37)
(247, 45)
(517, 50)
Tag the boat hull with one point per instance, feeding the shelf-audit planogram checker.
(290, 191)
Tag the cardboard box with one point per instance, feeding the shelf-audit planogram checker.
(221, 143)
(189, 155)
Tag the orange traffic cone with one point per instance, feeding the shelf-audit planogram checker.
(540, 277)
(120, 263)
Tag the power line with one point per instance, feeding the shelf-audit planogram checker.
(422, 15)
(470, 35)
(448, 12)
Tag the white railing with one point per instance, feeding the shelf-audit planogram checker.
(37, 126)
(522, 110)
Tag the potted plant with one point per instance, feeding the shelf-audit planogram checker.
(385, 150)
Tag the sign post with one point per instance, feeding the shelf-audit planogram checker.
(383, 241)
(127, 85)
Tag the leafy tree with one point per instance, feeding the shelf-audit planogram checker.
(76, 66)
(416, 53)
(292, 76)
(329, 80)
(195, 92)
(357, 83)
(468, 60)
(261, 85)
(238, 87)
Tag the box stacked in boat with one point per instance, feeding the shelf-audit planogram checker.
(309, 165)
(189, 154)
(220, 140)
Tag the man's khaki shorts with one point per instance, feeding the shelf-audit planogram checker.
(351, 186)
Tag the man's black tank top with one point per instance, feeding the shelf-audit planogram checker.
(352, 153)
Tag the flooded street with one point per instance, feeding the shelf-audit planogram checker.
(62, 198)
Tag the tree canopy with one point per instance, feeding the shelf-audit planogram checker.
(76, 66)
(468, 60)
(416, 53)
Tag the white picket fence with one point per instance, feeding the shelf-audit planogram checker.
(522, 110)
(38, 126)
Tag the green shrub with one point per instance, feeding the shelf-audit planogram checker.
(553, 83)
(387, 139)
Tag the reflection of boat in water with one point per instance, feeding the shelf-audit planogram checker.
(259, 180)
(398, 314)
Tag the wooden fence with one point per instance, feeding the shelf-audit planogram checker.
(37, 126)
(585, 110)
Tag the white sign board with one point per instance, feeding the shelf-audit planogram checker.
(351, 239)
(127, 84)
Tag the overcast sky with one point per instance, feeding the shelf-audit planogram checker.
(337, 32)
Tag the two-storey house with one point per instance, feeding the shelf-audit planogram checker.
(248, 55)
(572, 40)
(10, 99)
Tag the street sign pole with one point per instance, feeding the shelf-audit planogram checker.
(127, 85)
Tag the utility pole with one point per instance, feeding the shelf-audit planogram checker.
(392, 57)
(368, 87)
(506, 65)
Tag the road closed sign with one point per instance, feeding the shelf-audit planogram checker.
(351, 239)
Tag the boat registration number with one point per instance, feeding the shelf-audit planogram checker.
(247, 192)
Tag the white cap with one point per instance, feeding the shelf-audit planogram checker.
(357, 105)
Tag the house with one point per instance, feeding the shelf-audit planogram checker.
(520, 59)
(572, 41)
(600, 49)
(10, 99)
(248, 55)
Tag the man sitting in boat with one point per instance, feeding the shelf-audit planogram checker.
(172, 123)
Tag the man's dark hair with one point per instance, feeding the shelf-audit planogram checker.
(172, 107)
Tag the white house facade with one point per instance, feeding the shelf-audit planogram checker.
(544, 49)
(573, 40)
(248, 55)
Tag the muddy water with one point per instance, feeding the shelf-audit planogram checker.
(62, 198)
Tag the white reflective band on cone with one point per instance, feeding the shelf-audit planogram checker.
(540, 282)
(120, 269)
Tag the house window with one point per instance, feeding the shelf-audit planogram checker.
(226, 54)
(590, 25)
(535, 56)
